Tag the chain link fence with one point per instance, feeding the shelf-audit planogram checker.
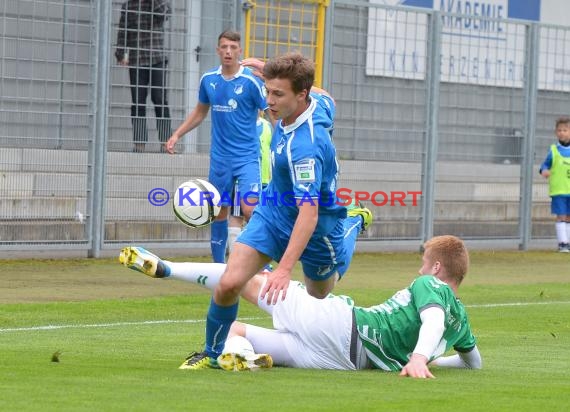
(440, 124)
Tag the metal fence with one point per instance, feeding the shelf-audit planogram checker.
(423, 105)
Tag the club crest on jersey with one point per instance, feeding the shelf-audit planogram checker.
(238, 89)
(305, 171)
(280, 146)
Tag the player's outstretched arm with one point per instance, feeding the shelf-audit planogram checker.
(192, 121)
(417, 367)
(467, 360)
(431, 332)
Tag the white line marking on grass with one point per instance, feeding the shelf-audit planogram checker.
(111, 325)
(498, 305)
(171, 321)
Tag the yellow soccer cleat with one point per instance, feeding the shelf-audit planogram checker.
(356, 209)
(236, 362)
(199, 360)
(141, 260)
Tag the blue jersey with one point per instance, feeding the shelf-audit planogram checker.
(305, 168)
(234, 105)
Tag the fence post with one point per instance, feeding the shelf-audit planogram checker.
(429, 153)
(529, 137)
(98, 144)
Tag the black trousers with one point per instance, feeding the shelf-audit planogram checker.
(143, 78)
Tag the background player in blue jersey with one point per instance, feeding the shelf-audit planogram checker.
(235, 97)
(298, 217)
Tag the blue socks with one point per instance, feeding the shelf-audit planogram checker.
(352, 227)
(219, 240)
(218, 323)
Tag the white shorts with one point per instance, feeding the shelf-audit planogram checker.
(309, 332)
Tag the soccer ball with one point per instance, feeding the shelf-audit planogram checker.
(238, 345)
(196, 203)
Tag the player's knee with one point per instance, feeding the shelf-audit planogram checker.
(237, 329)
(227, 290)
(318, 293)
(321, 289)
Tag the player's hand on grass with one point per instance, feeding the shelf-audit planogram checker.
(417, 367)
(277, 281)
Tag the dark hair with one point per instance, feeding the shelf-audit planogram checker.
(293, 66)
(230, 35)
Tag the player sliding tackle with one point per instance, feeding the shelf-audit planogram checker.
(406, 333)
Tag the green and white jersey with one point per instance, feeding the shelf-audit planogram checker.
(389, 331)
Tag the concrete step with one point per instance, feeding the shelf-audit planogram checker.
(29, 184)
(125, 209)
(73, 231)
(137, 231)
(190, 164)
(76, 161)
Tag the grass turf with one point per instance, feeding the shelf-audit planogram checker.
(120, 336)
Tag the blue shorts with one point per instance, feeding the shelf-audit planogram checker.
(224, 176)
(321, 257)
(560, 205)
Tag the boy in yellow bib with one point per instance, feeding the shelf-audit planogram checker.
(556, 168)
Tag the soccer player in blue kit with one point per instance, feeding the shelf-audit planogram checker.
(298, 217)
(235, 96)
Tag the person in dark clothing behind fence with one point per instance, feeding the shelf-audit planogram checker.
(140, 46)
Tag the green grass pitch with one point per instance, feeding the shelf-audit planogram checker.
(86, 335)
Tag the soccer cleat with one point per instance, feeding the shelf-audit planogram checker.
(141, 260)
(356, 209)
(236, 362)
(564, 247)
(199, 360)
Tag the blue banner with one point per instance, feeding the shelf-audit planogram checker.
(517, 9)
(524, 9)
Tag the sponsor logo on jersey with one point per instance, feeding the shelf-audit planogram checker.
(305, 171)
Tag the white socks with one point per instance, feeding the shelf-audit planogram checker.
(561, 232)
(203, 274)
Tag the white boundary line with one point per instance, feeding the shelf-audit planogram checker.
(111, 325)
(171, 321)
(499, 305)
